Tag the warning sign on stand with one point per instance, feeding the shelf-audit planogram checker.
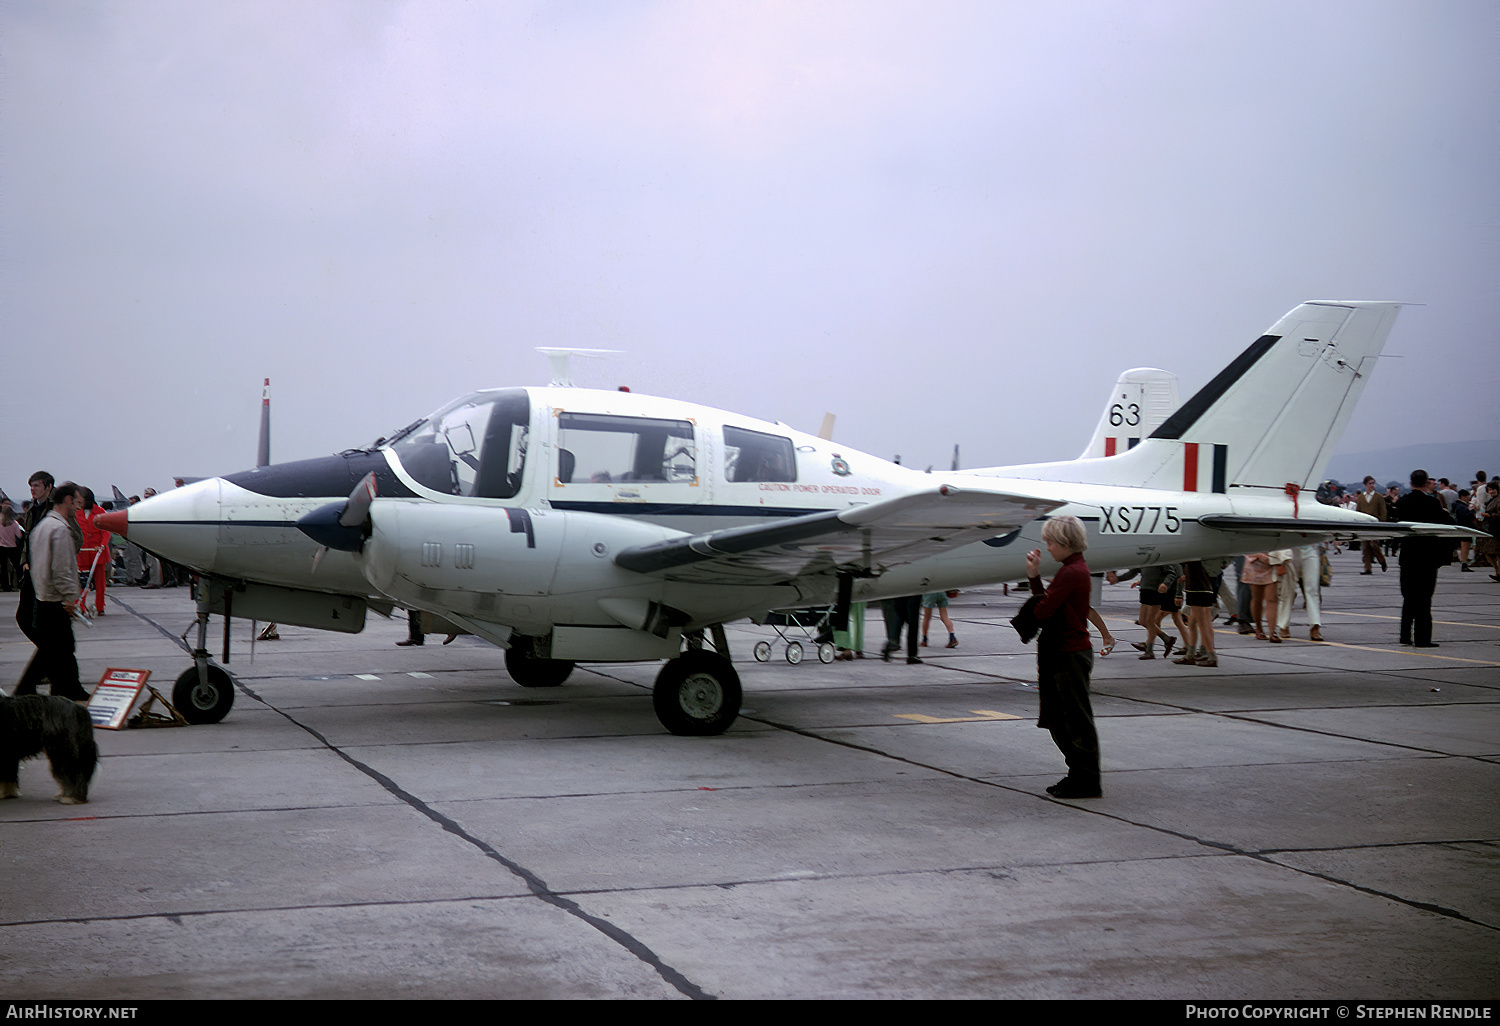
(117, 691)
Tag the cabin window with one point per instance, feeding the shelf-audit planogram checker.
(600, 448)
(475, 446)
(756, 456)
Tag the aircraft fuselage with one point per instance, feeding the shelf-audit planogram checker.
(506, 508)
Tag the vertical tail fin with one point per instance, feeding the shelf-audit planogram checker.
(1272, 417)
(1269, 419)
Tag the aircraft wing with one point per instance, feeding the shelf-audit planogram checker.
(1341, 529)
(864, 538)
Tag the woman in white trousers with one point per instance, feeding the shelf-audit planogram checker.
(1303, 563)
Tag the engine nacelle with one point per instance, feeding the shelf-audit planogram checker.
(525, 568)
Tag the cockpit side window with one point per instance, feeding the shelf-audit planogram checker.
(757, 456)
(602, 448)
(475, 446)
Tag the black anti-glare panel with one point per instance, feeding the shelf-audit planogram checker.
(322, 476)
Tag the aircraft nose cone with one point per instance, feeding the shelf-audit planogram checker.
(181, 524)
(114, 523)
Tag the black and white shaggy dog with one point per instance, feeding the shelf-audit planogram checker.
(33, 724)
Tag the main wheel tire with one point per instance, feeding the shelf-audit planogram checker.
(201, 702)
(697, 694)
(530, 672)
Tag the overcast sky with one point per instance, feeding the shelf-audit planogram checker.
(944, 222)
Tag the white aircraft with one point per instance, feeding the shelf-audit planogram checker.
(572, 525)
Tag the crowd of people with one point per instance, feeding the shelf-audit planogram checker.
(51, 546)
(1477, 506)
(1269, 582)
(105, 557)
(53, 552)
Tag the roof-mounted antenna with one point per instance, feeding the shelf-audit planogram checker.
(559, 359)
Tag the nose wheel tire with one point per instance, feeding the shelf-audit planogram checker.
(200, 701)
(697, 694)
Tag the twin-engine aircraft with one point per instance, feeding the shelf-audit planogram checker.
(572, 525)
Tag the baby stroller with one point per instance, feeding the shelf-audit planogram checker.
(796, 626)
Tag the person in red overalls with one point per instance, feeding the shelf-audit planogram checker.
(95, 543)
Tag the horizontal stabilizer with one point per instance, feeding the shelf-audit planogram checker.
(1140, 402)
(1374, 531)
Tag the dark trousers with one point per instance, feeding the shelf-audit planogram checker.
(10, 568)
(899, 612)
(54, 659)
(1418, 582)
(1063, 681)
(26, 607)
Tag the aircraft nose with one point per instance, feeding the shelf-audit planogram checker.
(114, 523)
(181, 525)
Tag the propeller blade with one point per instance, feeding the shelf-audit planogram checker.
(359, 502)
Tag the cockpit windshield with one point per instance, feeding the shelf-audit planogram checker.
(474, 446)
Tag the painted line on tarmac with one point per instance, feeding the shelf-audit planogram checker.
(1402, 651)
(981, 716)
(1387, 616)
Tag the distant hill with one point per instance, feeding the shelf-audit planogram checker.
(1456, 461)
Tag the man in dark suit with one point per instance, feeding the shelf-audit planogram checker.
(1420, 559)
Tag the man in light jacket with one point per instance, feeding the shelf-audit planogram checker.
(54, 574)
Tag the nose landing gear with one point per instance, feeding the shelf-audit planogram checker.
(204, 692)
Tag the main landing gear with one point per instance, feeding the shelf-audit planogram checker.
(698, 693)
(529, 671)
